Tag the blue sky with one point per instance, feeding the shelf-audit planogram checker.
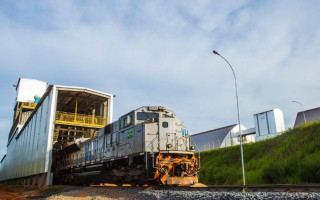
(160, 53)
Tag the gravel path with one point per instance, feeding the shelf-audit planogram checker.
(144, 193)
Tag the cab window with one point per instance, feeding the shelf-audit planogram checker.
(125, 121)
(147, 116)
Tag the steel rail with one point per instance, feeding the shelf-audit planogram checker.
(234, 188)
(249, 188)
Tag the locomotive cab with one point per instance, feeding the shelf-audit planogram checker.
(167, 142)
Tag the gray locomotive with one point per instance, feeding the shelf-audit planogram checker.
(147, 144)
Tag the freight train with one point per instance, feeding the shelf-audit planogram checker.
(146, 145)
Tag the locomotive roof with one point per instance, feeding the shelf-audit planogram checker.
(153, 108)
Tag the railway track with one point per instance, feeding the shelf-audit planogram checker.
(233, 188)
(291, 192)
(266, 188)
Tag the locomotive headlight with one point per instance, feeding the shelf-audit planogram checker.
(169, 146)
(192, 147)
(153, 108)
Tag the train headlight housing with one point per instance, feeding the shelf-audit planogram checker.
(153, 108)
(169, 146)
(192, 147)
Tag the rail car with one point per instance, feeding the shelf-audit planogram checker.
(148, 144)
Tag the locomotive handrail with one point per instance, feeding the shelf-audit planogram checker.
(151, 142)
(185, 143)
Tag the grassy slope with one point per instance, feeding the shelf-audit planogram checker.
(291, 158)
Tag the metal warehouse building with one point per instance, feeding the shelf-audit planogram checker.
(268, 124)
(311, 115)
(46, 119)
(221, 137)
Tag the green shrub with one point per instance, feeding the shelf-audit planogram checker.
(291, 158)
(309, 169)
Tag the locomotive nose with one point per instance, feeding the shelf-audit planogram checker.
(176, 169)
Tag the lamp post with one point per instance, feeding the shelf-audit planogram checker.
(241, 149)
(304, 116)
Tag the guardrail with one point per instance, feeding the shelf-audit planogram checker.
(80, 119)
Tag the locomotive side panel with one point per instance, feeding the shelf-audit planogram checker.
(167, 130)
(126, 139)
(151, 136)
(138, 138)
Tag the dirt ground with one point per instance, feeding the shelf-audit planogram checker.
(9, 192)
(69, 192)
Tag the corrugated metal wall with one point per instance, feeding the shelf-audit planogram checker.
(28, 154)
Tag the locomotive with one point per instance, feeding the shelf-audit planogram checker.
(146, 145)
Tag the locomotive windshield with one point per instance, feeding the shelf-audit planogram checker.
(146, 115)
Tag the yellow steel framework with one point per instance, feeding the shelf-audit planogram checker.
(80, 119)
(25, 105)
(56, 134)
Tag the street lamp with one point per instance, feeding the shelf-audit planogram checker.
(241, 149)
(304, 116)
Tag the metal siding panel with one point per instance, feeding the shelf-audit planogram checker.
(12, 171)
(51, 126)
(272, 123)
(33, 148)
(25, 154)
(138, 132)
(37, 164)
(40, 137)
(278, 114)
(52, 101)
(35, 142)
(24, 144)
(25, 150)
(256, 125)
(151, 136)
(45, 137)
(263, 125)
(28, 129)
(29, 156)
(20, 153)
(30, 138)
(46, 105)
(110, 109)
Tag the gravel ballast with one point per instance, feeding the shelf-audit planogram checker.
(183, 195)
(150, 194)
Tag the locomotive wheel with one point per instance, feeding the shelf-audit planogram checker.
(133, 184)
(119, 183)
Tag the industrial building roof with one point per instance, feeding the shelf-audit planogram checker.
(214, 137)
(311, 115)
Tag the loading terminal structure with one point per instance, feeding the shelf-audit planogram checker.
(46, 119)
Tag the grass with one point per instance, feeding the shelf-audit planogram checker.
(291, 158)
